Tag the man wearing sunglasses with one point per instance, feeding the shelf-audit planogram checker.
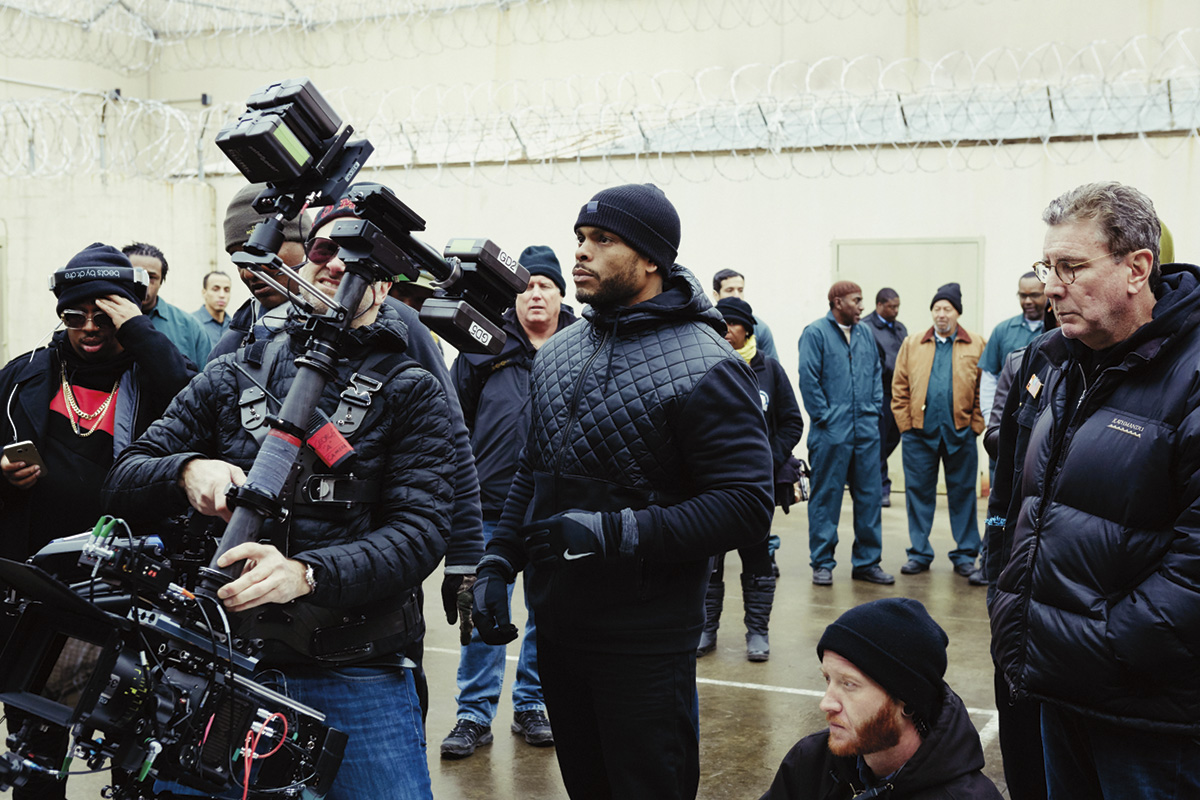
(357, 543)
(80, 401)
(1094, 518)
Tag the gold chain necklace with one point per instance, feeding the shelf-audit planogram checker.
(73, 407)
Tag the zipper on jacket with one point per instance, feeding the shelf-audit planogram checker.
(1051, 482)
(574, 409)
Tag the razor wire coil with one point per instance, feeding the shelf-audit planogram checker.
(835, 116)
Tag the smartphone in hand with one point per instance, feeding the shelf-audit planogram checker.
(25, 451)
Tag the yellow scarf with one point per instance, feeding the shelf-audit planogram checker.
(748, 349)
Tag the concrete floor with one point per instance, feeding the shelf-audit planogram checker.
(750, 714)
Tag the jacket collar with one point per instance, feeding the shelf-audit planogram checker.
(961, 336)
(681, 299)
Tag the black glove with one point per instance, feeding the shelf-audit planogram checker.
(490, 612)
(573, 536)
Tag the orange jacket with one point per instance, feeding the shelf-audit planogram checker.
(910, 382)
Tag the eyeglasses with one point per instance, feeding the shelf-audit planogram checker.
(1064, 271)
(75, 319)
(1030, 295)
(321, 251)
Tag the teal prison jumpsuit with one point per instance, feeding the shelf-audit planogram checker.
(841, 384)
(940, 441)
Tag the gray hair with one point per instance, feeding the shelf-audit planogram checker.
(1125, 216)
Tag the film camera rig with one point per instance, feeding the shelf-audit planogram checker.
(139, 661)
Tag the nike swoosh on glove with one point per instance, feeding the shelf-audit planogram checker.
(575, 537)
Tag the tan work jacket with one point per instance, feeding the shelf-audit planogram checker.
(910, 382)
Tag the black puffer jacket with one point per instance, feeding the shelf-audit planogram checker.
(364, 555)
(494, 394)
(466, 537)
(646, 408)
(946, 766)
(1097, 546)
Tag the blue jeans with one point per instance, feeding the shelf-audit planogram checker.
(481, 670)
(378, 708)
(1090, 758)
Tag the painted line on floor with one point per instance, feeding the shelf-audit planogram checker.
(987, 734)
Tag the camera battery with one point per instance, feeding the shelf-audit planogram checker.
(317, 114)
(264, 148)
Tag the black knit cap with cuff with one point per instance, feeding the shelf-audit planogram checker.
(895, 643)
(641, 215)
(85, 278)
(737, 311)
(951, 293)
(540, 260)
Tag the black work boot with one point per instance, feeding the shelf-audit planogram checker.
(758, 595)
(714, 599)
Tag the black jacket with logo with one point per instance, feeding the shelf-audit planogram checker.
(1094, 525)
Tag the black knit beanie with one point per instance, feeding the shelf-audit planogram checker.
(641, 215)
(240, 219)
(952, 294)
(92, 273)
(897, 644)
(540, 260)
(738, 311)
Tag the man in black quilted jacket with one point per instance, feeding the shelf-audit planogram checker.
(358, 543)
(1095, 513)
(647, 454)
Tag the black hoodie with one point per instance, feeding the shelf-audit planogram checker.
(946, 765)
(647, 408)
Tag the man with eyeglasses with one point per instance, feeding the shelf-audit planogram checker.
(80, 400)
(1012, 334)
(1094, 519)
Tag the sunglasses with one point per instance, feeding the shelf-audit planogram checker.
(75, 319)
(321, 251)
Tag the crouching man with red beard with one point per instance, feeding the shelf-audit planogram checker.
(896, 730)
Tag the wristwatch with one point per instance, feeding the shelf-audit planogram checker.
(310, 577)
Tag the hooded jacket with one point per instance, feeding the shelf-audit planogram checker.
(361, 556)
(494, 394)
(646, 408)
(65, 501)
(947, 765)
(1097, 606)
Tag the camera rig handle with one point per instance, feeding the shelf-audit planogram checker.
(259, 497)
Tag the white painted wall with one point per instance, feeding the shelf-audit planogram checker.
(776, 231)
